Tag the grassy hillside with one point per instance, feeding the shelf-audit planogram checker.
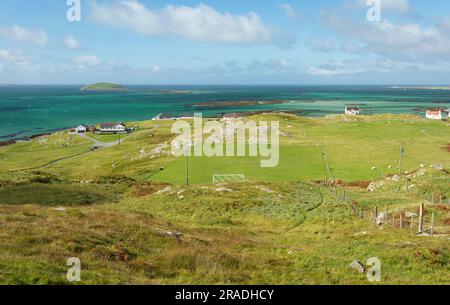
(358, 148)
(125, 212)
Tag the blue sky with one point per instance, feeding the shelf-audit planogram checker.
(225, 42)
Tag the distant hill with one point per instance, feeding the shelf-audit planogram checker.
(422, 87)
(103, 87)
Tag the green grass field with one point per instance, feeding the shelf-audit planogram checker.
(357, 149)
(117, 208)
(296, 163)
(106, 138)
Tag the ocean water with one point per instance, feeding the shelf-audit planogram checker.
(29, 110)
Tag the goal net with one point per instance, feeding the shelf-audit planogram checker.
(228, 178)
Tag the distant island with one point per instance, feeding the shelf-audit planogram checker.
(237, 103)
(422, 87)
(176, 91)
(104, 87)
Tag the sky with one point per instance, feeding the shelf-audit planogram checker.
(225, 42)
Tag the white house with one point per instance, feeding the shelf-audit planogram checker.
(352, 110)
(230, 117)
(163, 116)
(112, 128)
(85, 128)
(187, 116)
(437, 114)
(81, 129)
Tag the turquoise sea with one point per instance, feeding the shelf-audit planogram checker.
(29, 110)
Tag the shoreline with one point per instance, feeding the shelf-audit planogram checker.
(243, 114)
(11, 141)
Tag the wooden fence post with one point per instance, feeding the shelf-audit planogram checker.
(432, 224)
(401, 221)
(376, 215)
(422, 207)
(412, 221)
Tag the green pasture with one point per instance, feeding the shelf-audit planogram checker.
(356, 148)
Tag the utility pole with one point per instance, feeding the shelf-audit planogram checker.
(421, 213)
(187, 169)
(402, 153)
(327, 164)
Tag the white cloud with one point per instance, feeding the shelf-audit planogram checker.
(97, 65)
(288, 10)
(201, 23)
(15, 59)
(322, 44)
(334, 69)
(371, 65)
(270, 67)
(71, 43)
(402, 6)
(155, 69)
(405, 41)
(86, 61)
(20, 34)
(398, 6)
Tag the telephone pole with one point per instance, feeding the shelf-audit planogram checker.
(187, 169)
(402, 153)
(327, 164)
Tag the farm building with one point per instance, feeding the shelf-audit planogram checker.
(187, 115)
(113, 128)
(231, 116)
(352, 110)
(81, 129)
(163, 116)
(85, 128)
(437, 114)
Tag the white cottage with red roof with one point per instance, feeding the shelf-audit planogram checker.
(352, 110)
(437, 114)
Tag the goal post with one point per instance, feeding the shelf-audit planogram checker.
(219, 178)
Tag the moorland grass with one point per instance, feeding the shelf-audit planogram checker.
(276, 228)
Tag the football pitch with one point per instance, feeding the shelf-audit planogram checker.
(296, 163)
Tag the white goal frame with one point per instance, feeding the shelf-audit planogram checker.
(219, 178)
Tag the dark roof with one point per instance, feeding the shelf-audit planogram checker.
(165, 115)
(352, 107)
(232, 115)
(106, 125)
(437, 109)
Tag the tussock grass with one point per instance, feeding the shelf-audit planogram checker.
(277, 228)
(53, 195)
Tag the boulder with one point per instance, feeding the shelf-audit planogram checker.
(372, 188)
(410, 214)
(358, 266)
